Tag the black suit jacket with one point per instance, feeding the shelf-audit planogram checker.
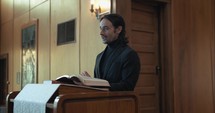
(122, 69)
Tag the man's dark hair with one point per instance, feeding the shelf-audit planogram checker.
(117, 21)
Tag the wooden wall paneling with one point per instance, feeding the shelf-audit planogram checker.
(181, 56)
(34, 3)
(191, 56)
(64, 59)
(202, 32)
(41, 13)
(21, 7)
(7, 48)
(18, 23)
(90, 40)
(6, 10)
(213, 49)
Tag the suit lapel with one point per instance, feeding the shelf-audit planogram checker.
(98, 64)
(113, 56)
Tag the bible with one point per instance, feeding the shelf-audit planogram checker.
(83, 80)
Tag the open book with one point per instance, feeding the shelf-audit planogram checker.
(83, 80)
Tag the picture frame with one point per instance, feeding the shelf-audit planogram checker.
(29, 63)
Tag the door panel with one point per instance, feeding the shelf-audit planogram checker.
(144, 40)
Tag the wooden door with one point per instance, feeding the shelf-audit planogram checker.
(145, 40)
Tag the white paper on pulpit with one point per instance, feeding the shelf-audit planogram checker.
(33, 98)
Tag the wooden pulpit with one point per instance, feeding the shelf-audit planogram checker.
(81, 99)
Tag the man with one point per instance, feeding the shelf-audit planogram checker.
(118, 63)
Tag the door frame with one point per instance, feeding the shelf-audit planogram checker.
(167, 88)
(5, 57)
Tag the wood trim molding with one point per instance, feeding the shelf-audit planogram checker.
(212, 52)
(167, 61)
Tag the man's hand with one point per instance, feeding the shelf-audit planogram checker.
(85, 73)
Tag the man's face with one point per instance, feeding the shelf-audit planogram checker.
(108, 32)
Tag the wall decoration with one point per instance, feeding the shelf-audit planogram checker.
(66, 32)
(29, 53)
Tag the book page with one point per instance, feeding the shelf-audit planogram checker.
(83, 80)
(69, 79)
(89, 81)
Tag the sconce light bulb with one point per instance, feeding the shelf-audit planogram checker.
(91, 9)
(99, 10)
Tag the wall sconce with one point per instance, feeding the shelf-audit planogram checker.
(100, 7)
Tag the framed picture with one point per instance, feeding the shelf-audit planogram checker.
(29, 33)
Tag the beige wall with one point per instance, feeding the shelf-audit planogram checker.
(90, 41)
(64, 58)
(53, 60)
